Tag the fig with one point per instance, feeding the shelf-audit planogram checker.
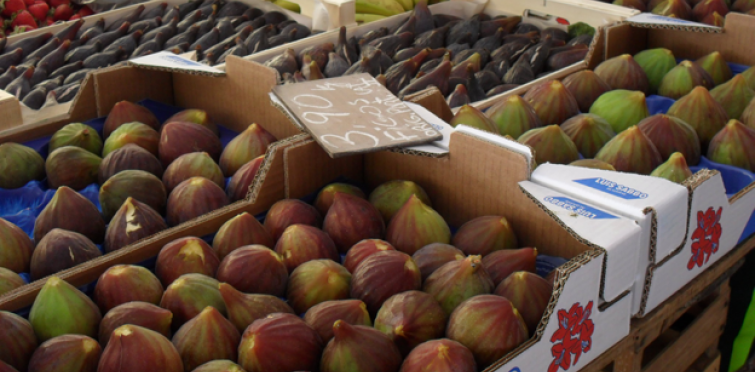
(749, 76)
(593, 163)
(288, 212)
(242, 180)
(255, 269)
(6, 368)
(219, 366)
(18, 340)
(459, 97)
(128, 157)
(302, 243)
(489, 326)
(195, 116)
(473, 117)
(701, 112)
(317, 281)
(206, 337)
(365, 248)
(279, 343)
(432, 256)
(178, 138)
(205, 196)
(550, 145)
(585, 86)
(137, 184)
(383, 275)
(715, 19)
(623, 72)
(705, 8)
(60, 250)
(67, 353)
(322, 316)
(484, 235)
(352, 219)
(634, 4)
(243, 309)
(359, 348)
(188, 295)
(715, 65)
(513, 116)
(194, 164)
(138, 313)
(743, 6)
(15, 247)
(457, 281)
(673, 8)
(670, 134)
(411, 318)
(132, 222)
(132, 133)
(390, 196)
(500, 264)
(79, 135)
(552, 102)
(656, 63)
(73, 167)
(734, 96)
(675, 169)
(529, 293)
(126, 283)
(126, 112)
(9, 281)
(734, 145)
(239, 231)
(682, 79)
(249, 144)
(621, 108)
(135, 348)
(69, 210)
(588, 132)
(21, 165)
(441, 355)
(631, 151)
(748, 115)
(416, 225)
(185, 256)
(61, 309)
(325, 197)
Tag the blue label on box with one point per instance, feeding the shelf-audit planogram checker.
(613, 188)
(578, 208)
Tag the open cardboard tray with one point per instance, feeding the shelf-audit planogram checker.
(15, 114)
(482, 175)
(668, 213)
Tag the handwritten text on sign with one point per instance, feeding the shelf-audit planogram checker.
(354, 114)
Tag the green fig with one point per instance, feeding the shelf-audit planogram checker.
(206, 337)
(442, 355)
(255, 269)
(513, 116)
(249, 144)
(552, 102)
(61, 309)
(656, 63)
(734, 96)
(185, 256)
(73, 167)
(623, 72)
(69, 210)
(79, 135)
(241, 230)
(749, 76)
(140, 185)
(195, 116)
(135, 348)
(586, 86)
(588, 132)
(701, 112)
(670, 134)
(136, 133)
(18, 340)
(132, 222)
(243, 309)
(325, 197)
(188, 295)
(390, 196)
(193, 164)
(734, 145)
(411, 318)
(67, 353)
(359, 348)
(631, 151)
(138, 313)
(457, 281)
(675, 169)
(20, 165)
(121, 284)
(126, 112)
(322, 316)
(416, 225)
(472, 117)
(715, 65)
(529, 293)
(280, 342)
(593, 163)
(317, 281)
(621, 108)
(9, 281)
(682, 79)
(15, 247)
(550, 145)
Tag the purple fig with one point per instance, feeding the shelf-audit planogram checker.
(623, 72)
(79, 135)
(60, 250)
(621, 108)
(352, 219)
(411, 318)
(322, 316)
(588, 132)
(279, 343)
(383, 275)
(317, 281)
(178, 138)
(239, 231)
(206, 337)
(132, 222)
(432, 256)
(325, 197)
(749, 76)
(631, 151)
(705, 8)
(457, 281)
(205, 195)
(500, 264)
(586, 86)
(138, 313)
(748, 115)
(513, 116)
(243, 309)
(195, 116)
(71, 211)
(356, 347)
(73, 167)
(550, 145)
(18, 340)
(472, 117)
(127, 157)
(15, 247)
(682, 79)
(442, 355)
(416, 225)
(634, 4)
(20, 166)
(255, 269)
(489, 326)
(249, 144)
(185, 256)
(656, 63)
(365, 248)
(140, 185)
(529, 293)
(484, 235)
(673, 8)
(733, 96)
(743, 6)
(134, 348)
(593, 164)
(552, 102)
(61, 309)
(715, 65)
(670, 134)
(701, 112)
(675, 169)
(242, 180)
(459, 97)
(132, 133)
(194, 164)
(302, 243)
(126, 283)
(288, 212)
(126, 112)
(219, 366)
(390, 196)
(716, 19)
(734, 145)
(188, 295)
(9, 281)
(65, 354)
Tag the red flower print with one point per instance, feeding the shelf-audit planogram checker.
(705, 238)
(573, 336)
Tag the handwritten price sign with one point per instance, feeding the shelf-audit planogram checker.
(354, 114)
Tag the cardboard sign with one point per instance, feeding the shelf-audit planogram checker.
(353, 114)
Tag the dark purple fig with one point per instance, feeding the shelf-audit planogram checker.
(243, 309)
(432, 256)
(60, 250)
(280, 342)
(322, 316)
(367, 350)
(411, 318)
(383, 275)
(288, 212)
(255, 269)
(121, 284)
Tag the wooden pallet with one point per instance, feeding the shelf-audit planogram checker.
(682, 334)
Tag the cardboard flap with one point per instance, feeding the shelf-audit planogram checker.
(10, 111)
(649, 20)
(504, 142)
(167, 61)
